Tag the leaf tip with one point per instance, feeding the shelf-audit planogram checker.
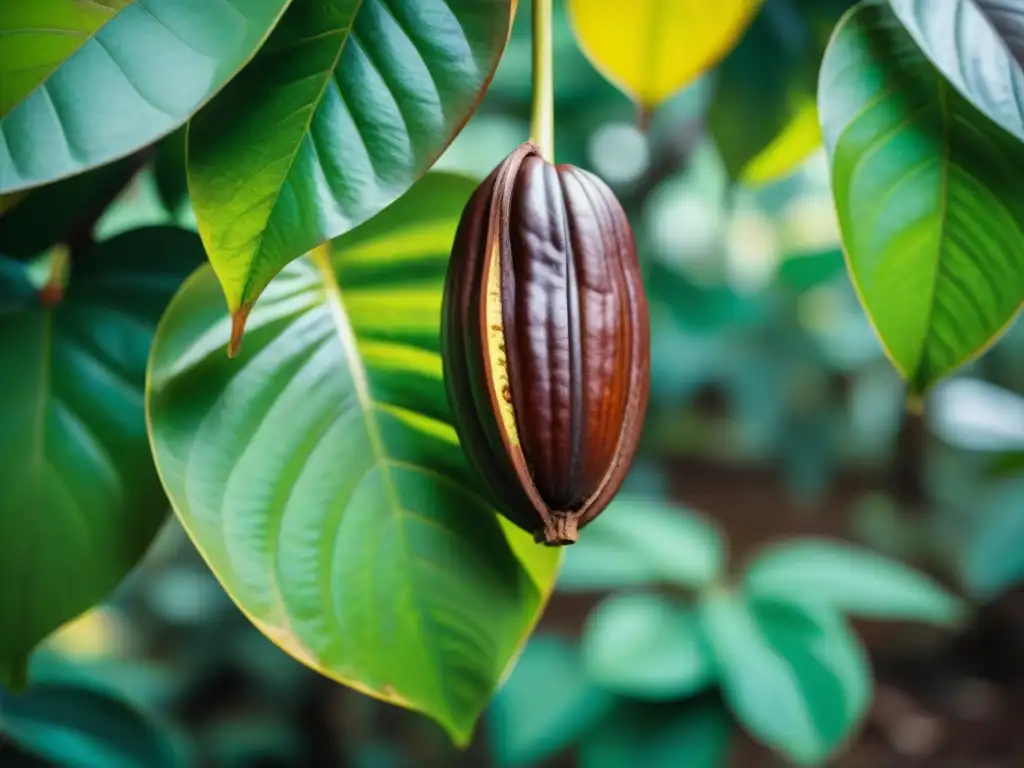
(460, 736)
(238, 320)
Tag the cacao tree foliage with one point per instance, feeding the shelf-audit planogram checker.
(233, 383)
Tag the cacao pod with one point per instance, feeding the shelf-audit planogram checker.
(546, 343)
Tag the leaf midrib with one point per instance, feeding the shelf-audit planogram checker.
(321, 258)
(945, 159)
(346, 32)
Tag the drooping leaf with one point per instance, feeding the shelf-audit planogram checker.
(978, 45)
(646, 646)
(929, 198)
(690, 734)
(79, 497)
(84, 83)
(547, 703)
(762, 115)
(58, 212)
(86, 728)
(794, 677)
(320, 477)
(994, 558)
(651, 49)
(345, 107)
(852, 580)
(638, 541)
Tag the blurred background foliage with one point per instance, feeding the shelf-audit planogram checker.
(774, 413)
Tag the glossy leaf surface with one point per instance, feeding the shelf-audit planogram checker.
(645, 646)
(322, 481)
(345, 107)
(795, 678)
(638, 541)
(84, 83)
(978, 45)
(928, 195)
(651, 49)
(79, 497)
(85, 728)
(852, 580)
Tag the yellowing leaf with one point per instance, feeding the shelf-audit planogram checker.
(795, 144)
(653, 48)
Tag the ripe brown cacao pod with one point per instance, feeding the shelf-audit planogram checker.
(546, 343)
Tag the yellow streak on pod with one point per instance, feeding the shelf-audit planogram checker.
(496, 353)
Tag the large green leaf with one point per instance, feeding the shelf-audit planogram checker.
(689, 734)
(86, 728)
(345, 107)
(795, 677)
(640, 541)
(979, 46)
(928, 194)
(84, 83)
(79, 497)
(321, 479)
(850, 579)
(646, 646)
(547, 704)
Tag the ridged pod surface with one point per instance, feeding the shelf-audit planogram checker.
(546, 343)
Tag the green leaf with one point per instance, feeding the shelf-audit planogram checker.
(547, 704)
(646, 646)
(796, 678)
(321, 479)
(346, 106)
(978, 45)
(762, 114)
(84, 83)
(638, 541)
(86, 728)
(58, 212)
(994, 560)
(691, 734)
(79, 497)
(929, 198)
(852, 580)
